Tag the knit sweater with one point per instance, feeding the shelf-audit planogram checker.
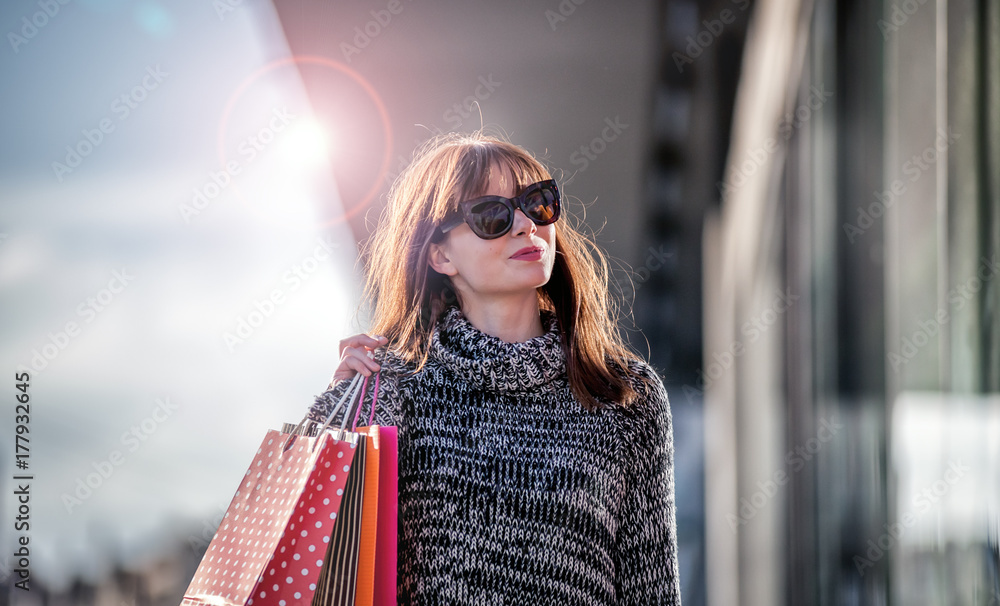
(510, 492)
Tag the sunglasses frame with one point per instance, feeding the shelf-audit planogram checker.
(464, 212)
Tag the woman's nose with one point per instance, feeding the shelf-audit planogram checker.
(522, 224)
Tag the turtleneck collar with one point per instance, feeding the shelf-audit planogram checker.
(486, 362)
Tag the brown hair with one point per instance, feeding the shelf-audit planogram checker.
(409, 296)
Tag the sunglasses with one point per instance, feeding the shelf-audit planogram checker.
(492, 216)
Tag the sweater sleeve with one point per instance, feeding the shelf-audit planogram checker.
(647, 544)
(387, 399)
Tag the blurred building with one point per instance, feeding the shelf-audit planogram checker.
(851, 361)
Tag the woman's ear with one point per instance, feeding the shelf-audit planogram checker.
(437, 258)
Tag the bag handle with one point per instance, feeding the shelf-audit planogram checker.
(348, 394)
(354, 405)
(371, 417)
(353, 390)
(355, 397)
(361, 401)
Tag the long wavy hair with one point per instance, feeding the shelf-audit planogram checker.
(409, 297)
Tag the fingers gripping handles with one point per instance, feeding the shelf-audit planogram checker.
(350, 403)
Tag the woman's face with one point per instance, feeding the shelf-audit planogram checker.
(486, 271)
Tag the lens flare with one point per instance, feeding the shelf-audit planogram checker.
(308, 143)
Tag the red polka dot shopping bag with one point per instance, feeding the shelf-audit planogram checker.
(295, 528)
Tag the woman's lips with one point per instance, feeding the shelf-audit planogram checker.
(531, 253)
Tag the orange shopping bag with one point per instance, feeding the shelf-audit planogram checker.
(377, 553)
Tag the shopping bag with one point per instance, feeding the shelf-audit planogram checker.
(372, 531)
(270, 545)
(294, 519)
(337, 585)
(377, 554)
(364, 595)
(387, 531)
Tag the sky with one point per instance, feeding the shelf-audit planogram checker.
(173, 273)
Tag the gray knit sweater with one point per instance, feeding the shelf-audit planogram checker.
(510, 492)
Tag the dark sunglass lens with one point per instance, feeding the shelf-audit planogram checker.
(491, 218)
(540, 205)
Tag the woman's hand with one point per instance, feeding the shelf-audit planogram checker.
(356, 356)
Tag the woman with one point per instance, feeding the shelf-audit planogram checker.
(535, 451)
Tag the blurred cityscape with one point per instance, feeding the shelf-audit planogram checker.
(801, 200)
